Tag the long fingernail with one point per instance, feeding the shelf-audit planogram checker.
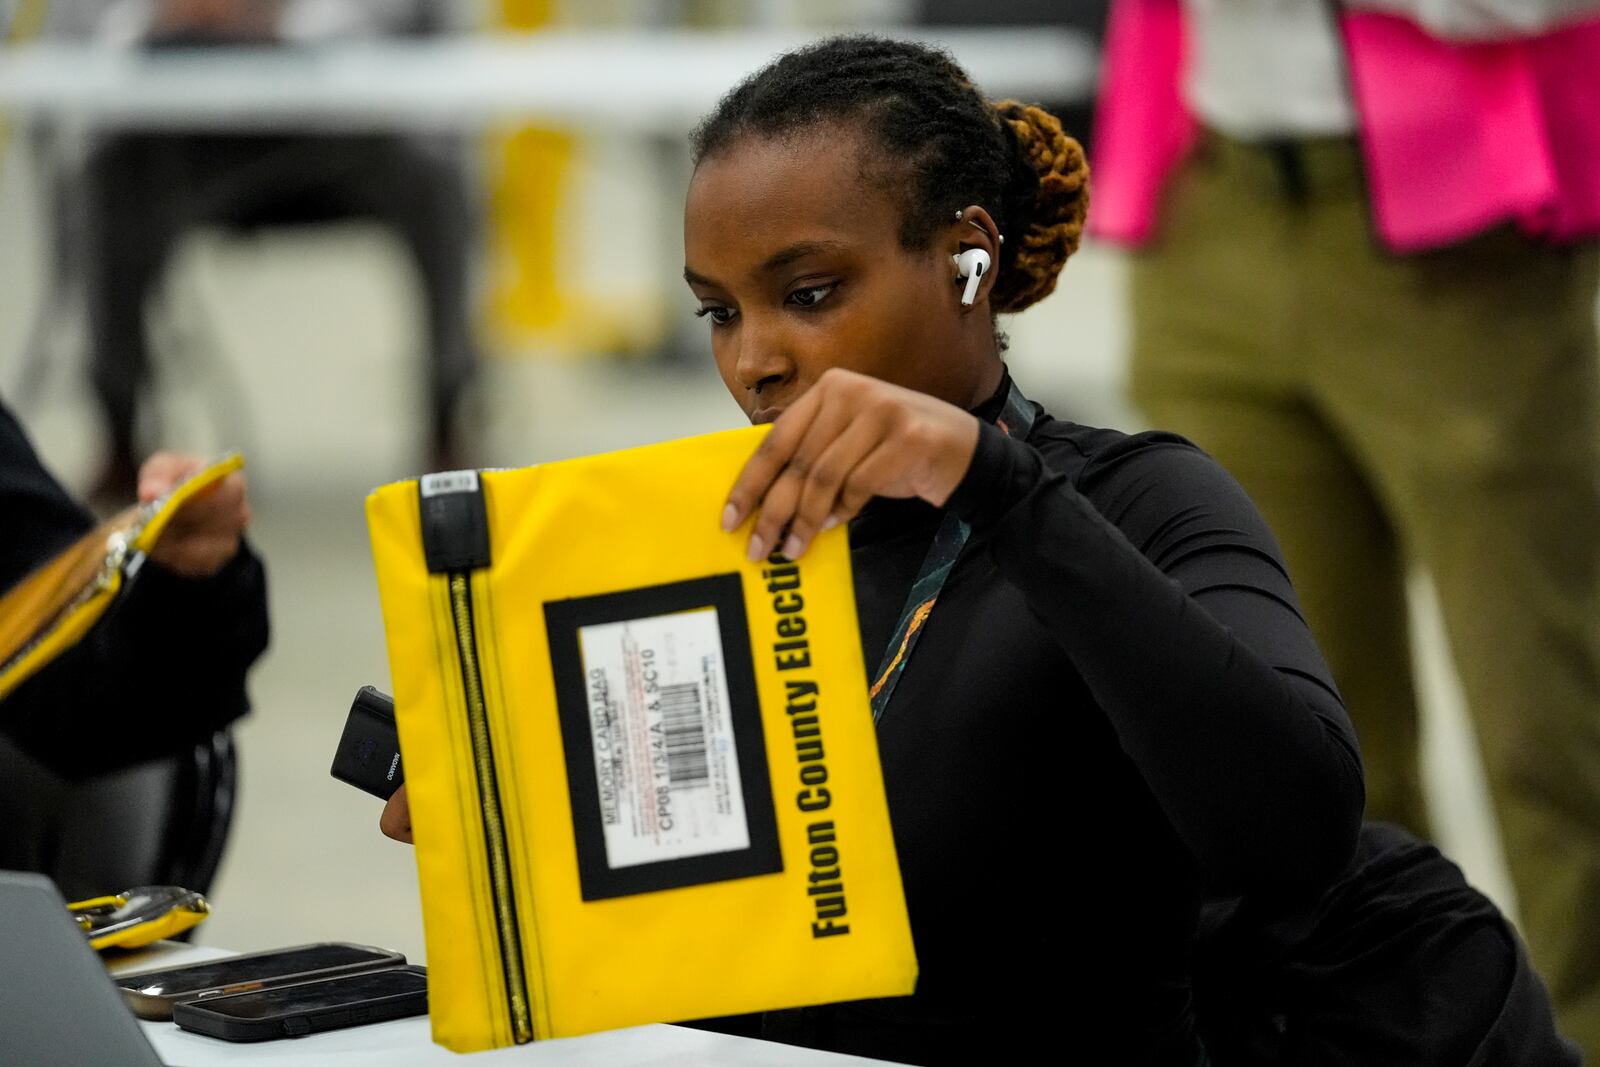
(793, 547)
(758, 549)
(730, 518)
(830, 522)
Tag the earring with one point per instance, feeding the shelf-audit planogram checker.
(958, 219)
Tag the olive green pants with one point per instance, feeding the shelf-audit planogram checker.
(1381, 410)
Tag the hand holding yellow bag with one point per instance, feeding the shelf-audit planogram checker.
(643, 776)
(50, 610)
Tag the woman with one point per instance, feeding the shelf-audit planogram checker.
(1097, 701)
(1114, 705)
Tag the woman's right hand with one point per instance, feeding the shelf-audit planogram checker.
(396, 819)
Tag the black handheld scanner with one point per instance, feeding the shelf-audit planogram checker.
(368, 756)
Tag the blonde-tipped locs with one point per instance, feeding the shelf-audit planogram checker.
(1060, 205)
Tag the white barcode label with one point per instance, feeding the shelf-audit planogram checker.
(449, 482)
(666, 762)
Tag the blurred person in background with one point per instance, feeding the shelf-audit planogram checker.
(1369, 291)
(165, 667)
(145, 190)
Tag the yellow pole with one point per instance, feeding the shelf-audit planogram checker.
(529, 171)
(26, 24)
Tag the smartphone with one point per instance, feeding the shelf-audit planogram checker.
(309, 1007)
(152, 994)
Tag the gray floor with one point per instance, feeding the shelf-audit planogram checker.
(311, 373)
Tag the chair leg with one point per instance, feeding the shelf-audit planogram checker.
(204, 791)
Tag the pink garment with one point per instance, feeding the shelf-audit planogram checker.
(1457, 137)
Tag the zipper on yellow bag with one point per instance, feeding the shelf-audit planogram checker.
(455, 539)
(494, 826)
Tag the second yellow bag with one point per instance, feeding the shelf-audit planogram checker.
(52, 609)
(643, 775)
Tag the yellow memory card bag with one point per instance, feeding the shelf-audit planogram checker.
(642, 771)
(50, 610)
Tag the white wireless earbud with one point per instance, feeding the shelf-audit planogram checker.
(972, 265)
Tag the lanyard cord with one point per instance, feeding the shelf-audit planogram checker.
(1015, 420)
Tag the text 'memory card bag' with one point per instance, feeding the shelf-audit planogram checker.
(643, 777)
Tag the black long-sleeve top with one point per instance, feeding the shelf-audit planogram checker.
(164, 667)
(1116, 708)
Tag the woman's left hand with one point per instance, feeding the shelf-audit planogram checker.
(848, 439)
(205, 534)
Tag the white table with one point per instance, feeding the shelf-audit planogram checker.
(407, 1042)
(648, 82)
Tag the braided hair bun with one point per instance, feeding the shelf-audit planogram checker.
(1048, 200)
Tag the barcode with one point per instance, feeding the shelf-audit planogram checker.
(684, 726)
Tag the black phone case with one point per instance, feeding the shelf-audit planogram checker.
(204, 1018)
(161, 1008)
